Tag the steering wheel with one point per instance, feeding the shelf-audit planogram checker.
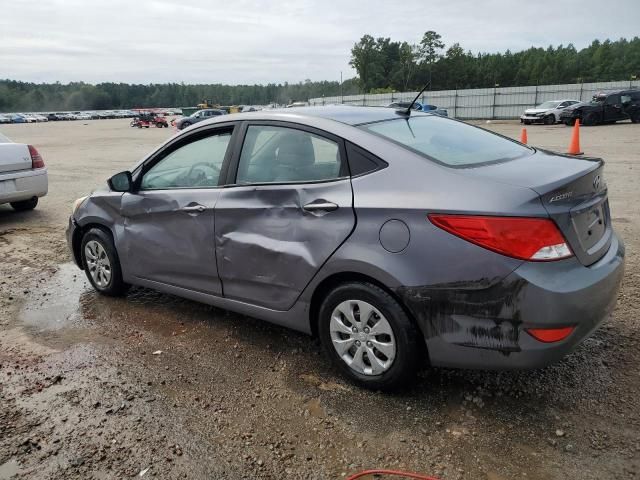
(201, 179)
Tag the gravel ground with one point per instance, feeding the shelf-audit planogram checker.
(157, 386)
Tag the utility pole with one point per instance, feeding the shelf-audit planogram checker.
(341, 95)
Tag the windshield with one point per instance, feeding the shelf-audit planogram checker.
(447, 141)
(550, 104)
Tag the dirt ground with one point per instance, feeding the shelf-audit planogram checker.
(84, 392)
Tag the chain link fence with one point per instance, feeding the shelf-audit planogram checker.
(485, 103)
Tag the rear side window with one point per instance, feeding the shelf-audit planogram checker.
(448, 142)
(273, 154)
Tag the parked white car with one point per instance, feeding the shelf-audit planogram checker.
(82, 116)
(23, 175)
(547, 112)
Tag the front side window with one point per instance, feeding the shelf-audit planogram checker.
(613, 100)
(273, 154)
(447, 141)
(194, 165)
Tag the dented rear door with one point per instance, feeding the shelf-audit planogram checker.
(269, 246)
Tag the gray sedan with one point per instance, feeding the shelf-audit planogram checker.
(197, 117)
(394, 237)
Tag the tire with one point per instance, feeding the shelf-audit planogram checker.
(25, 205)
(527, 122)
(570, 123)
(98, 252)
(635, 118)
(550, 120)
(185, 125)
(390, 369)
(590, 119)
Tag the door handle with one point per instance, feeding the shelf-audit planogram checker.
(320, 206)
(194, 208)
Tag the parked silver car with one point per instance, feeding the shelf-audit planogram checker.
(394, 237)
(23, 175)
(547, 112)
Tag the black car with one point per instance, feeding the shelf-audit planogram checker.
(605, 108)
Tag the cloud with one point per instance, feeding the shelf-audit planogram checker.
(251, 41)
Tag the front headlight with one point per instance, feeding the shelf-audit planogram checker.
(77, 204)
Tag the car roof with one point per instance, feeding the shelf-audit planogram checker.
(349, 115)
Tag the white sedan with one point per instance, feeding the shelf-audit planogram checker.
(547, 112)
(23, 175)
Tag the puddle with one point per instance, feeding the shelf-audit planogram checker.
(8, 469)
(53, 305)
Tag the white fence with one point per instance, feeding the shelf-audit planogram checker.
(485, 103)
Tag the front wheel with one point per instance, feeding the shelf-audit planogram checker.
(570, 122)
(25, 205)
(101, 263)
(635, 118)
(590, 119)
(550, 120)
(368, 336)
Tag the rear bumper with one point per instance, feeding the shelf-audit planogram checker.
(485, 327)
(23, 185)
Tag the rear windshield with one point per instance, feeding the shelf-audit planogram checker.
(449, 142)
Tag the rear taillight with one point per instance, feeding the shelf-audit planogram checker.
(533, 239)
(36, 158)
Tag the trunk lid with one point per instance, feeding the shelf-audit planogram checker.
(573, 192)
(14, 156)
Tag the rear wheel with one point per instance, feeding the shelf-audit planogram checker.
(101, 263)
(368, 336)
(25, 204)
(635, 118)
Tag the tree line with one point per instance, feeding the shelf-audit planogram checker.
(16, 96)
(386, 65)
(382, 65)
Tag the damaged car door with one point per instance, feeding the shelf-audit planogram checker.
(168, 219)
(288, 207)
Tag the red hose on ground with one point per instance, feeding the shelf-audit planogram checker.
(416, 476)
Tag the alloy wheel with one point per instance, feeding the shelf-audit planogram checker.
(98, 263)
(362, 337)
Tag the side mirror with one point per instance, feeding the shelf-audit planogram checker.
(121, 182)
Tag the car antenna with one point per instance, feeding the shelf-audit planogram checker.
(408, 110)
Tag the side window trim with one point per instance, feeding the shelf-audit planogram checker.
(352, 148)
(239, 145)
(179, 142)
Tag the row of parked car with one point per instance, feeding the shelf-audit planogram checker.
(604, 107)
(61, 116)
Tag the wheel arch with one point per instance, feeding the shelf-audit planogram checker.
(76, 241)
(336, 279)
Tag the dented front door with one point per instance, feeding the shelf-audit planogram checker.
(272, 239)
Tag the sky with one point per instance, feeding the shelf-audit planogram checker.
(260, 41)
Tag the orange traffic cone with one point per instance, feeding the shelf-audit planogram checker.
(523, 136)
(574, 146)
